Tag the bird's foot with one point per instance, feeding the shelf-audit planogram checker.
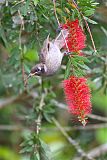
(66, 53)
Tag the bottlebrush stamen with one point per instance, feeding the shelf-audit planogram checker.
(77, 94)
(76, 38)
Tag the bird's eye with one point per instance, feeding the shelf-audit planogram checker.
(38, 69)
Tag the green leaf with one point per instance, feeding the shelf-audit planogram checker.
(8, 154)
(26, 149)
(99, 101)
(79, 72)
(74, 62)
(104, 30)
(84, 66)
(45, 153)
(15, 57)
(35, 156)
(89, 12)
(35, 2)
(87, 6)
(47, 117)
(81, 58)
(90, 20)
(25, 9)
(27, 69)
(2, 35)
(31, 55)
(68, 67)
(101, 135)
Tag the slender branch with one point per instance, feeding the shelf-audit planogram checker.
(41, 104)
(11, 100)
(89, 31)
(72, 141)
(96, 152)
(7, 101)
(39, 119)
(10, 128)
(97, 117)
(20, 47)
(19, 2)
(88, 127)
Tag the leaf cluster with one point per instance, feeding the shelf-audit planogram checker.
(37, 148)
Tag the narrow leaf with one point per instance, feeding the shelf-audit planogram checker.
(67, 69)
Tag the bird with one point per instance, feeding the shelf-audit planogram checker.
(50, 56)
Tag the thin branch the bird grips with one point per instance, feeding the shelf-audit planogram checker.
(59, 24)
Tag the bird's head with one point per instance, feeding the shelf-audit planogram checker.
(39, 70)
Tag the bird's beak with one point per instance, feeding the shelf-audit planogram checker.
(31, 75)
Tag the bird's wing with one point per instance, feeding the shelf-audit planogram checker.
(60, 39)
(44, 51)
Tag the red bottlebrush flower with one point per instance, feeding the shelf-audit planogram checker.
(76, 38)
(77, 94)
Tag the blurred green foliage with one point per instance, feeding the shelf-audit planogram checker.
(24, 25)
(7, 154)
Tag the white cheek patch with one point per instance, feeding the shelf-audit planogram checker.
(39, 68)
(45, 68)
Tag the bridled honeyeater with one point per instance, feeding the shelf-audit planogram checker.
(50, 56)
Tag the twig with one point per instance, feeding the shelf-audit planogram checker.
(19, 3)
(97, 117)
(7, 101)
(41, 104)
(20, 47)
(38, 121)
(72, 141)
(73, 128)
(88, 127)
(96, 152)
(10, 128)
